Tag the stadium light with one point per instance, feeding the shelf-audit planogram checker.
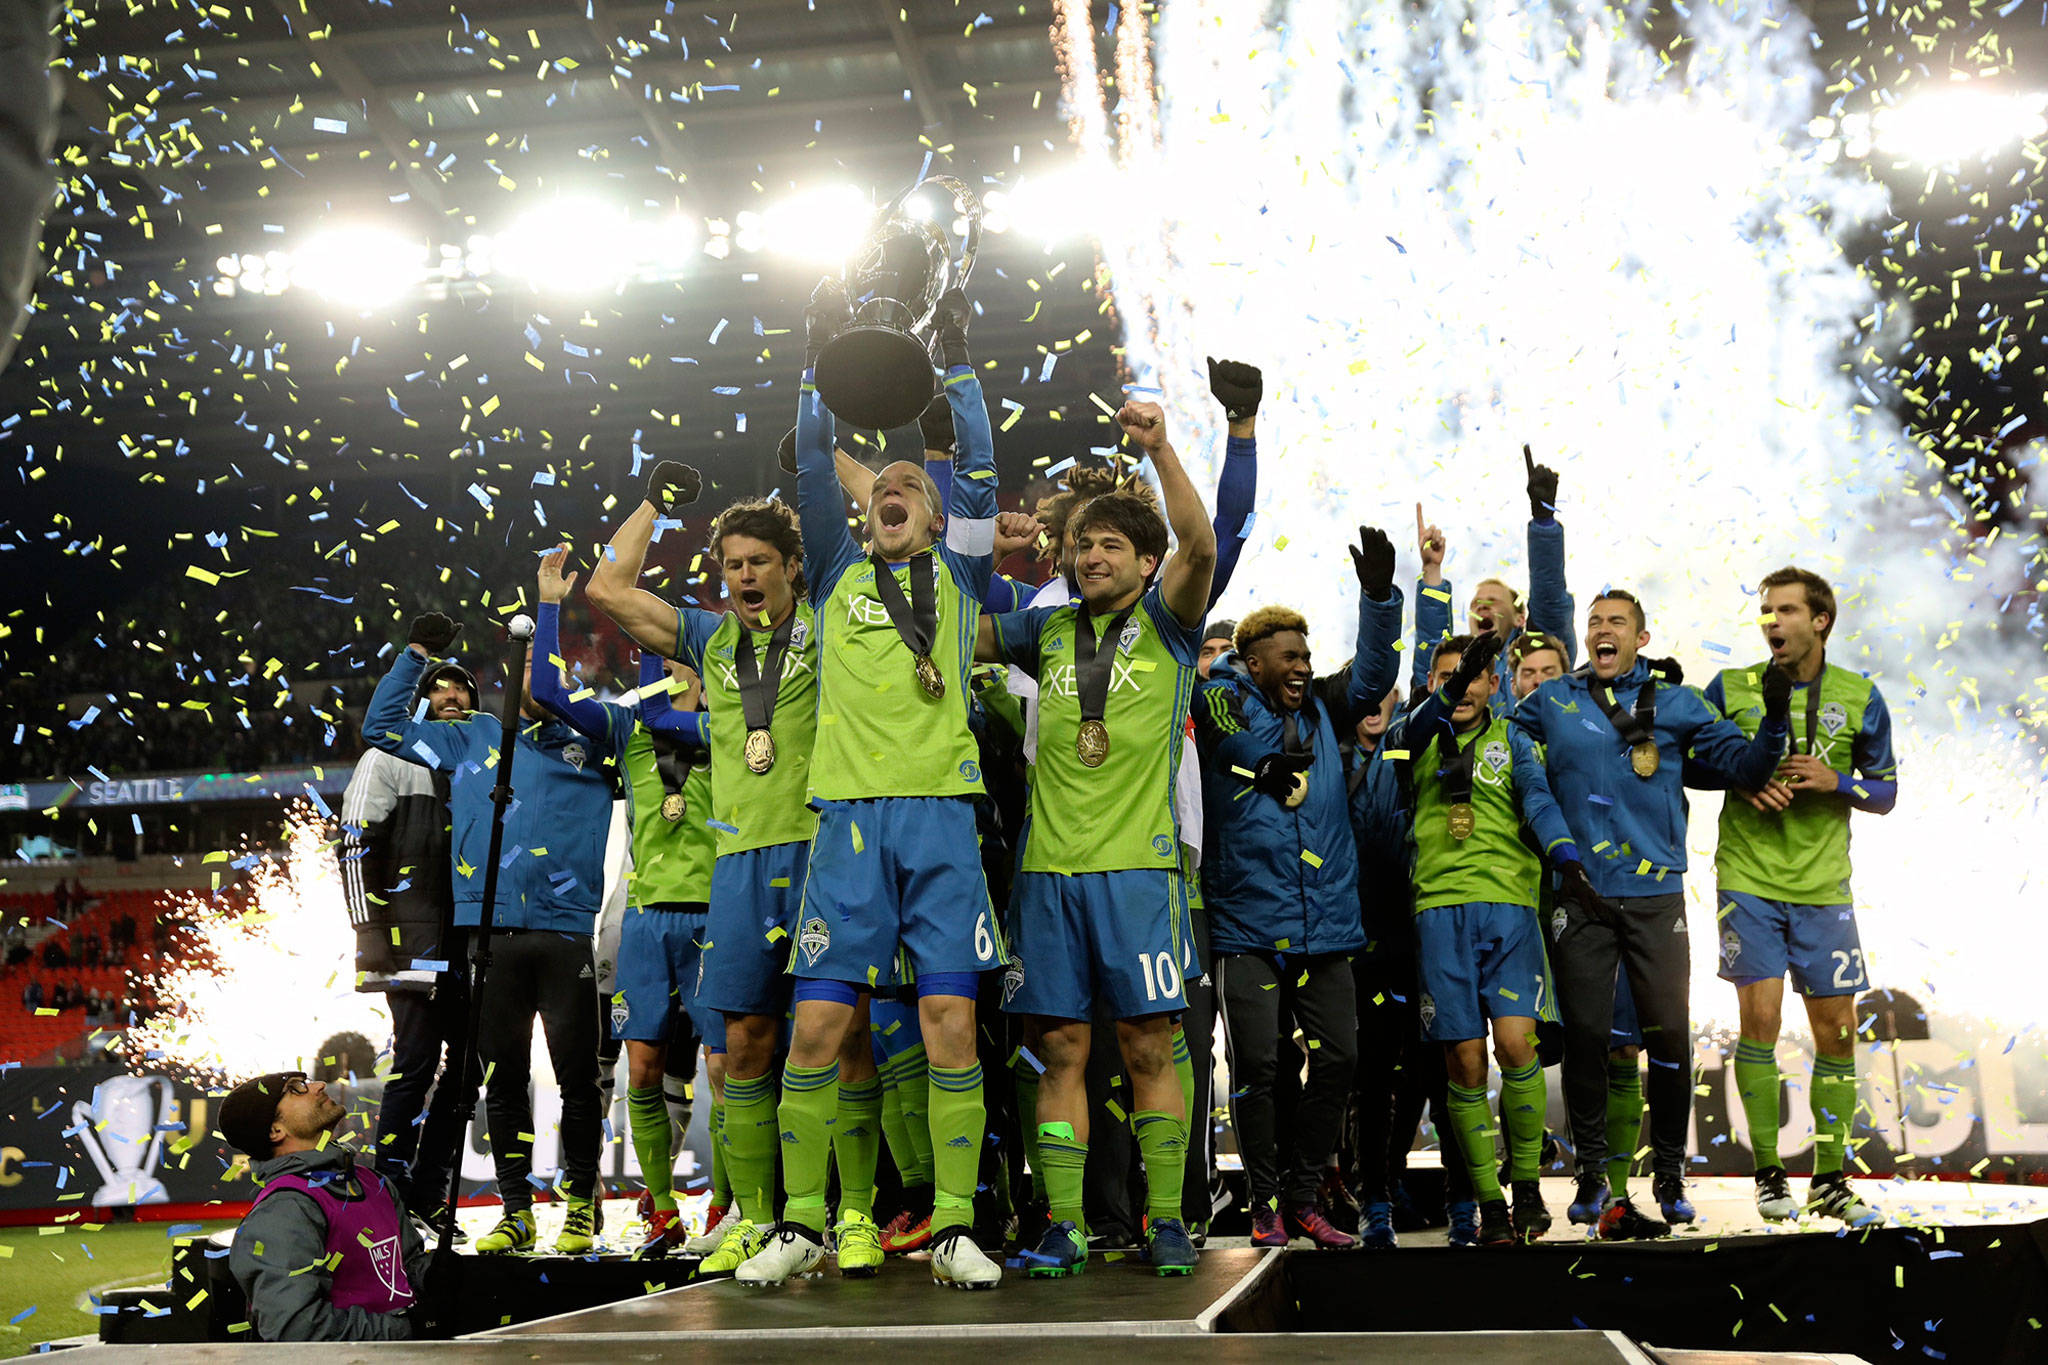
(359, 266)
(582, 246)
(821, 225)
(1952, 124)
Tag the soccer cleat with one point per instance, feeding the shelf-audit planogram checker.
(1830, 1196)
(1062, 1251)
(1267, 1230)
(717, 1222)
(1496, 1227)
(1407, 1218)
(514, 1232)
(664, 1230)
(1339, 1205)
(1531, 1218)
(958, 1263)
(432, 1235)
(1464, 1223)
(906, 1232)
(1621, 1223)
(792, 1249)
(578, 1236)
(1378, 1234)
(1671, 1200)
(1593, 1199)
(1774, 1195)
(859, 1244)
(1168, 1248)
(1309, 1220)
(742, 1241)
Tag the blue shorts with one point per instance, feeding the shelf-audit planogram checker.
(1628, 1031)
(893, 1023)
(1114, 938)
(754, 897)
(1763, 939)
(896, 873)
(656, 980)
(1483, 960)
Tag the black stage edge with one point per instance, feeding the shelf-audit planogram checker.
(1977, 1293)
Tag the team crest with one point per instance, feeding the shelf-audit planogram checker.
(620, 1013)
(1013, 978)
(799, 631)
(1833, 716)
(1428, 1009)
(1731, 946)
(813, 939)
(1558, 920)
(1495, 755)
(1125, 641)
(390, 1270)
(575, 755)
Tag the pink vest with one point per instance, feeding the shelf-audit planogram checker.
(363, 1243)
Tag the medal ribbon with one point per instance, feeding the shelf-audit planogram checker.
(1813, 705)
(1455, 770)
(917, 618)
(672, 761)
(1634, 727)
(758, 692)
(1094, 667)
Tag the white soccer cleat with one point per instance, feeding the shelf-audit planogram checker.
(791, 1250)
(707, 1241)
(1774, 1199)
(959, 1263)
(1830, 1196)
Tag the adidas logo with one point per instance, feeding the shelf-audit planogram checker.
(585, 974)
(959, 1142)
(788, 1136)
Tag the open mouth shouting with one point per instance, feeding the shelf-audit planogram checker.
(1606, 651)
(1294, 692)
(893, 515)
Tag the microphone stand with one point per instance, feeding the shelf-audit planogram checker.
(440, 1286)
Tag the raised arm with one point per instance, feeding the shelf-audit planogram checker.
(821, 508)
(1432, 602)
(388, 723)
(615, 583)
(1184, 581)
(1238, 387)
(589, 715)
(1550, 602)
(656, 699)
(1375, 660)
(971, 509)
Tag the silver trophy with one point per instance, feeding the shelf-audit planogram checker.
(123, 1132)
(877, 372)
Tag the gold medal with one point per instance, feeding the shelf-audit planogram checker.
(1644, 758)
(1092, 743)
(760, 751)
(1299, 793)
(672, 807)
(1461, 820)
(929, 678)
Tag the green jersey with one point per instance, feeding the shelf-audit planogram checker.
(1801, 854)
(752, 810)
(671, 858)
(1493, 862)
(1117, 816)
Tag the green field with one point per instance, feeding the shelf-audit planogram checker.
(51, 1270)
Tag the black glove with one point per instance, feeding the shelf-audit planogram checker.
(434, 633)
(673, 485)
(1667, 671)
(1542, 488)
(935, 424)
(1777, 689)
(1372, 557)
(949, 325)
(1237, 386)
(785, 454)
(824, 318)
(1473, 663)
(1575, 888)
(1275, 773)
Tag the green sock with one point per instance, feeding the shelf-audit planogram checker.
(1522, 1104)
(1026, 1077)
(958, 1123)
(721, 1179)
(1184, 1068)
(648, 1115)
(914, 1085)
(1163, 1139)
(747, 1140)
(1066, 1167)
(1833, 1097)
(1472, 1121)
(857, 1144)
(893, 1130)
(810, 1103)
(1624, 1121)
(1756, 1080)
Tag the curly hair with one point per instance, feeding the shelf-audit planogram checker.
(1083, 484)
(1264, 623)
(772, 522)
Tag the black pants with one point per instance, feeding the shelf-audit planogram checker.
(1263, 1003)
(426, 1056)
(1198, 1026)
(1647, 938)
(1114, 1184)
(540, 973)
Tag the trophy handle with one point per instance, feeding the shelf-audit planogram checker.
(89, 1138)
(163, 1120)
(969, 204)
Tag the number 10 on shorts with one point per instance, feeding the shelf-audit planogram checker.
(1161, 975)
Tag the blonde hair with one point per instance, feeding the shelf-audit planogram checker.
(1264, 623)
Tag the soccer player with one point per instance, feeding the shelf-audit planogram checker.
(1282, 882)
(759, 662)
(1620, 883)
(895, 873)
(1100, 907)
(1495, 606)
(668, 886)
(550, 880)
(1782, 867)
